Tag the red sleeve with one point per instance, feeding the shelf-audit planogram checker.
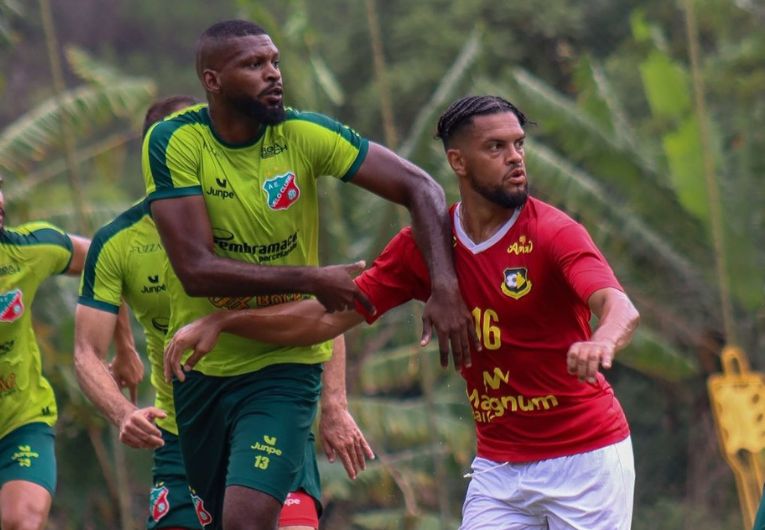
(397, 275)
(582, 264)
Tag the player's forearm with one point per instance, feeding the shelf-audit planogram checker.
(333, 391)
(124, 341)
(99, 386)
(618, 319)
(294, 324)
(432, 231)
(212, 275)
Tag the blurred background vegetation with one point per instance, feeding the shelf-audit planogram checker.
(635, 102)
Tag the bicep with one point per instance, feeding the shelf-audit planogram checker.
(386, 174)
(80, 246)
(184, 226)
(93, 330)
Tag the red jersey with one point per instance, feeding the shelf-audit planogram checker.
(527, 288)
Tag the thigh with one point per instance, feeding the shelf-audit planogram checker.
(170, 503)
(494, 501)
(24, 504)
(270, 436)
(203, 440)
(28, 454)
(596, 492)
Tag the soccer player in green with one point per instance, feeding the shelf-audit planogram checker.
(29, 254)
(233, 189)
(126, 261)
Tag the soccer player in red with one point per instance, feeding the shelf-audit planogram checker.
(554, 450)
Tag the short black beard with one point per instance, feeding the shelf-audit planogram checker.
(503, 198)
(260, 112)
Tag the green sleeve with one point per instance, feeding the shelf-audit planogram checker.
(333, 148)
(170, 159)
(101, 282)
(52, 247)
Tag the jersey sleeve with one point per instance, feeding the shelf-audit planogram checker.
(101, 281)
(583, 266)
(398, 274)
(332, 148)
(53, 248)
(170, 160)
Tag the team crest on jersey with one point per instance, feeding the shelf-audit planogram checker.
(281, 191)
(516, 283)
(158, 502)
(11, 305)
(199, 507)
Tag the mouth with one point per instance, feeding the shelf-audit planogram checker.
(517, 176)
(273, 95)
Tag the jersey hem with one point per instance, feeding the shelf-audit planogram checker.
(212, 372)
(173, 193)
(524, 458)
(97, 304)
(363, 149)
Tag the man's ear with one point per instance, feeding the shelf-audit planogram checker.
(456, 161)
(211, 81)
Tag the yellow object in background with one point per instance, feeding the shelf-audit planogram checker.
(738, 406)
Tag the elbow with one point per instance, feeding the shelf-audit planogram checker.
(195, 276)
(635, 318)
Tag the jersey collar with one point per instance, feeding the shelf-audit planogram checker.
(476, 248)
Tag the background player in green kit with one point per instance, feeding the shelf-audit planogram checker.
(29, 254)
(233, 190)
(127, 261)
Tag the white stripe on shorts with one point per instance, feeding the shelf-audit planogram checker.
(586, 491)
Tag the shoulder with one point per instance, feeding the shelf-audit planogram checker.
(120, 225)
(36, 233)
(187, 124)
(297, 122)
(548, 219)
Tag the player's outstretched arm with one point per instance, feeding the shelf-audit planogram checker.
(293, 324)
(618, 318)
(93, 333)
(398, 180)
(184, 226)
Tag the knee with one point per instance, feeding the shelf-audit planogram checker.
(23, 518)
(264, 520)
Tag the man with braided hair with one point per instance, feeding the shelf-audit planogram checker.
(554, 450)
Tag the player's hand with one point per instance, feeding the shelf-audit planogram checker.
(137, 428)
(200, 336)
(341, 437)
(127, 370)
(445, 311)
(336, 290)
(585, 358)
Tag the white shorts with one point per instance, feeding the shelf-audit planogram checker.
(587, 491)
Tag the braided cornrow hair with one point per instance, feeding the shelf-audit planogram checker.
(461, 112)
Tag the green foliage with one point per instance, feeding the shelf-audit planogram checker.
(615, 145)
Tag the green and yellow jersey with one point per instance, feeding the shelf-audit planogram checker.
(126, 261)
(28, 255)
(262, 200)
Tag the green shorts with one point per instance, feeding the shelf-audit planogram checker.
(251, 430)
(170, 504)
(29, 453)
